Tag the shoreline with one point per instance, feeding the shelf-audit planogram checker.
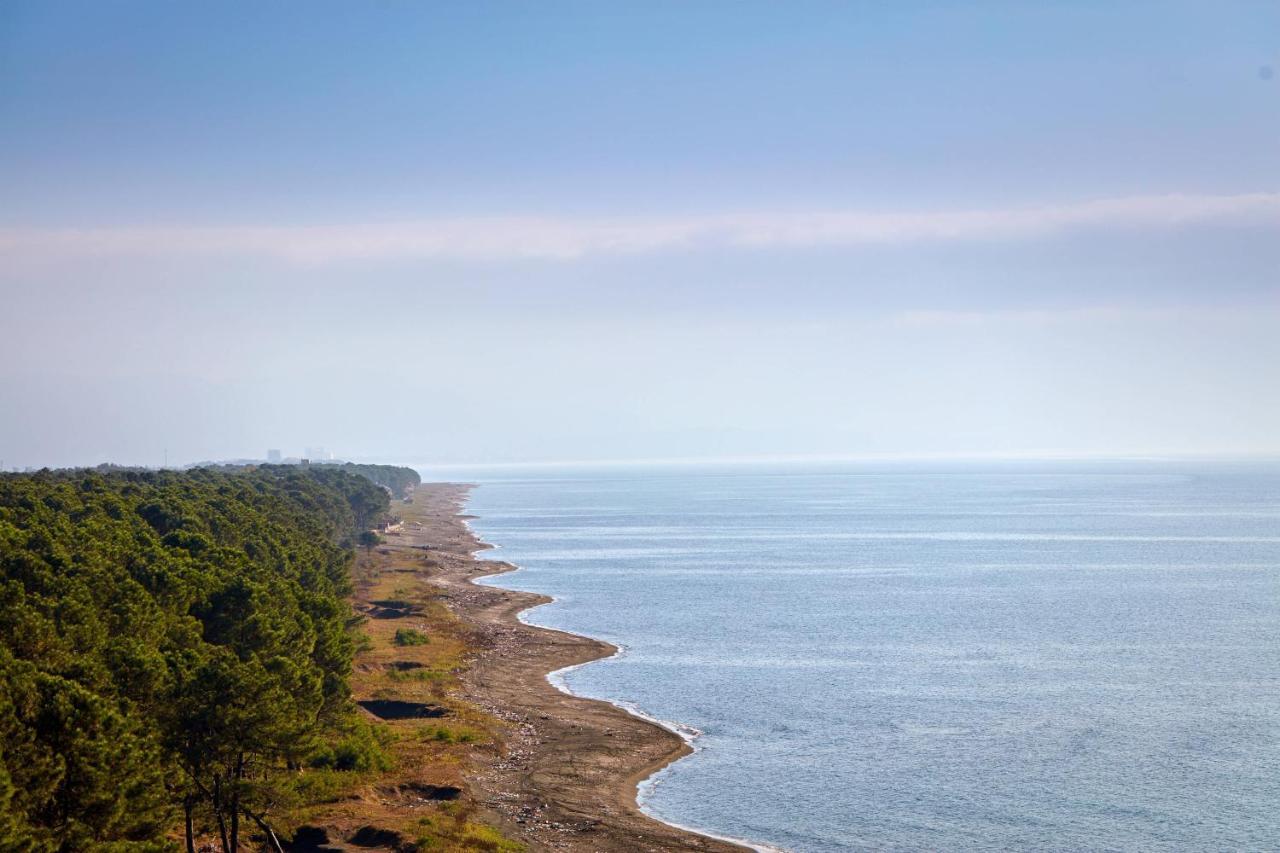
(570, 773)
(688, 734)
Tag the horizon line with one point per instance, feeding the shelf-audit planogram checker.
(992, 456)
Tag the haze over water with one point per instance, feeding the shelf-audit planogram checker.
(1061, 657)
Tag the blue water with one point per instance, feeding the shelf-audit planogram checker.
(1055, 657)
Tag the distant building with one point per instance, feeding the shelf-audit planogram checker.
(273, 456)
(318, 454)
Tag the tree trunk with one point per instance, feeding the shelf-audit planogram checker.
(187, 807)
(235, 805)
(217, 810)
(271, 833)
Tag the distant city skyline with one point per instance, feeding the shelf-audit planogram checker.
(495, 232)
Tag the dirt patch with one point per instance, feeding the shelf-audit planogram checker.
(372, 836)
(392, 608)
(434, 792)
(397, 709)
(394, 604)
(311, 839)
(422, 792)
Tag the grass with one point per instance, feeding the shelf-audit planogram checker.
(449, 829)
(419, 664)
(446, 734)
(326, 785)
(417, 674)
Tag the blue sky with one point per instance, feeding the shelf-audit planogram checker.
(658, 229)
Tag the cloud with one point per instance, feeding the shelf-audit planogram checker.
(499, 238)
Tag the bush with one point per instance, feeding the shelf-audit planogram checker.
(411, 637)
(363, 747)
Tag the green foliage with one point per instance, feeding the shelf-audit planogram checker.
(78, 772)
(172, 642)
(362, 746)
(411, 637)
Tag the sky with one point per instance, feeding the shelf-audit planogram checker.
(483, 232)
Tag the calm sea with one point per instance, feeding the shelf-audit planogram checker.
(1062, 657)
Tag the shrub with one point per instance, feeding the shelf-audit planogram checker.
(411, 637)
(362, 747)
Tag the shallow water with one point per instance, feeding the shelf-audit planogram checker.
(1052, 657)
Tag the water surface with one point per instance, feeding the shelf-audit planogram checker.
(1056, 657)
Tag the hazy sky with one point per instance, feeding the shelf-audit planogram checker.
(473, 232)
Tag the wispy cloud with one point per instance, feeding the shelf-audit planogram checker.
(499, 238)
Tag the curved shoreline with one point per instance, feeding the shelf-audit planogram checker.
(688, 734)
(569, 775)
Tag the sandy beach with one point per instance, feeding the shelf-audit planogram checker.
(566, 775)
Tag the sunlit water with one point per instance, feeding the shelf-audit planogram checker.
(1066, 658)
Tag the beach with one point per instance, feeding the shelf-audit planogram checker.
(566, 775)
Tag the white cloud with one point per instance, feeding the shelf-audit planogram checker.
(569, 238)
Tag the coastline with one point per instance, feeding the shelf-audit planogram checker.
(686, 733)
(569, 776)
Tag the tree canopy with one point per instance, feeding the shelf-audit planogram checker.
(171, 643)
(393, 477)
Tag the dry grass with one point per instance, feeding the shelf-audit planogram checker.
(394, 593)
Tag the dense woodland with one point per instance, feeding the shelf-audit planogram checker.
(393, 477)
(174, 648)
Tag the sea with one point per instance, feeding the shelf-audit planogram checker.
(984, 656)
